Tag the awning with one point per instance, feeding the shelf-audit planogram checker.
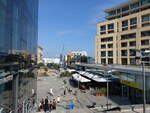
(79, 78)
(93, 76)
(70, 70)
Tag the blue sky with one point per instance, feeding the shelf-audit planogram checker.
(71, 23)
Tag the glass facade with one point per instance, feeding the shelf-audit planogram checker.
(18, 32)
(18, 25)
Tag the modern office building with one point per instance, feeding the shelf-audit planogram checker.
(127, 27)
(18, 48)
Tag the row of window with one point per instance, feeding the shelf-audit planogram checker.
(125, 23)
(108, 39)
(126, 8)
(103, 46)
(103, 53)
(126, 37)
(125, 61)
(131, 44)
(103, 61)
(109, 26)
(125, 52)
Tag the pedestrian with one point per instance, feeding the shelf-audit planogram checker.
(50, 106)
(51, 91)
(58, 99)
(42, 104)
(54, 104)
(46, 106)
(64, 92)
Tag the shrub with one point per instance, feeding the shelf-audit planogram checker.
(65, 74)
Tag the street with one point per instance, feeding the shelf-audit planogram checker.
(81, 100)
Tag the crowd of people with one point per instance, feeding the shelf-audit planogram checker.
(48, 105)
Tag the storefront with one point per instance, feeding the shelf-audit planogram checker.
(132, 87)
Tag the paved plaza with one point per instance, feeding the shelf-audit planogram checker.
(81, 100)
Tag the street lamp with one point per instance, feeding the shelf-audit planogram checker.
(107, 80)
(140, 57)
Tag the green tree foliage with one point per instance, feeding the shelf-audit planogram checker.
(53, 66)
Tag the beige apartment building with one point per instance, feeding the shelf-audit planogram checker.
(40, 55)
(127, 28)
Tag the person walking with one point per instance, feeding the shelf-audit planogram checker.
(64, 92)
(50, 106)
(51, 91)
(54, 104)
(42, 104)
(58, 99)
(46, 107)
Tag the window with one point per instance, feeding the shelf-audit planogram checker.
(110, 61)
(124, 61)
(103, 46)
(112, 31)
(145, 33)
(112, 13)
(103, 33)
(103, 61)
(143, 2)
(144, 42)
(110, 26)
(135, 5)
(103, 53)
(132, 52)
(132, 61)
(133, 27)
(128, 36)
(107, 39)
(133, 43)
(110, 45)
(110, 53)
(124, 29)
(124, 44)
(133, 21)
(125, 8)
(118, 11)
(103, 28)
(145, 18)
(124, 53)
(125, 23)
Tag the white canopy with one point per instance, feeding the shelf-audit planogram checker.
(93, 77)
(71, 70)
(79, 78)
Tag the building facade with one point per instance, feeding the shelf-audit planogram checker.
(127, 28)
(39, 55)
(77, 53)
(51, 60)
(18, 48)
(18, 25)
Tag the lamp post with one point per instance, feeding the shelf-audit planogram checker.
(142, 55)
(107, 80)
(107, 92)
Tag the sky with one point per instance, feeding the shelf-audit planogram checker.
(70, 25)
